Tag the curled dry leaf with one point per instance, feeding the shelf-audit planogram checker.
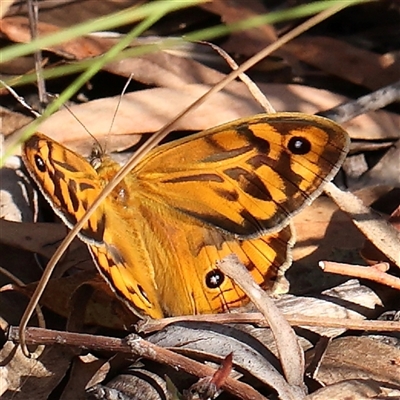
(359, 358)
(290, 353)
(49, 370)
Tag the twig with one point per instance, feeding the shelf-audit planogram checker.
(251, 86)
(370, 102)
(33, 20)
(137, 346)
(291, 354)
(259, 320)
(20, 99)
(376, 273)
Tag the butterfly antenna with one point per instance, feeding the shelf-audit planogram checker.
(98, 149)
(118, 105)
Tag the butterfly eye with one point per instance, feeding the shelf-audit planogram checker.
(299, 145)
(214, 278)
(40, 165)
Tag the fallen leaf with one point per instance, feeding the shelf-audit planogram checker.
(357, 65)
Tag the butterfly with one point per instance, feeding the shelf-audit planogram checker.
(158, 237)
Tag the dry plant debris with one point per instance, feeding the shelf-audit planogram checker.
(353, 54)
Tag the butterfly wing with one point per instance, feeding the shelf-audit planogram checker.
(248, 177)
(181, 253)
(232, 189)
(62, 176)
(192, 284)
(71, 185)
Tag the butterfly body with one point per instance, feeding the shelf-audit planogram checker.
(231, 189)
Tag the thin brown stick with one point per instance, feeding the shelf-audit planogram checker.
(20, 99)
(251, 86)
(133, 344)
(370, 102)
(375, 273)
(33, 13)
(291, 354)
(259, 320)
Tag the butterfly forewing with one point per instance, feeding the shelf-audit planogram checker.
(71, 184)
(68, 182)
(247, 177)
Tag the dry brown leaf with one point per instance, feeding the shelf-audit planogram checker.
(11, 120)
(144, 68)
(5, 6)
(82, 370)
(141, 112)
(375, 125)
(41, 238)
(249, 41)
(17, 29)
(354, 389)
(24, 374)
(101, 307)
(165, 70)
(16, 193)
(359, 358)
(385, 172)
(346, 61)
(157, 69)
(67, 13)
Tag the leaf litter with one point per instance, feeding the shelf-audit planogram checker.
(164, 83)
